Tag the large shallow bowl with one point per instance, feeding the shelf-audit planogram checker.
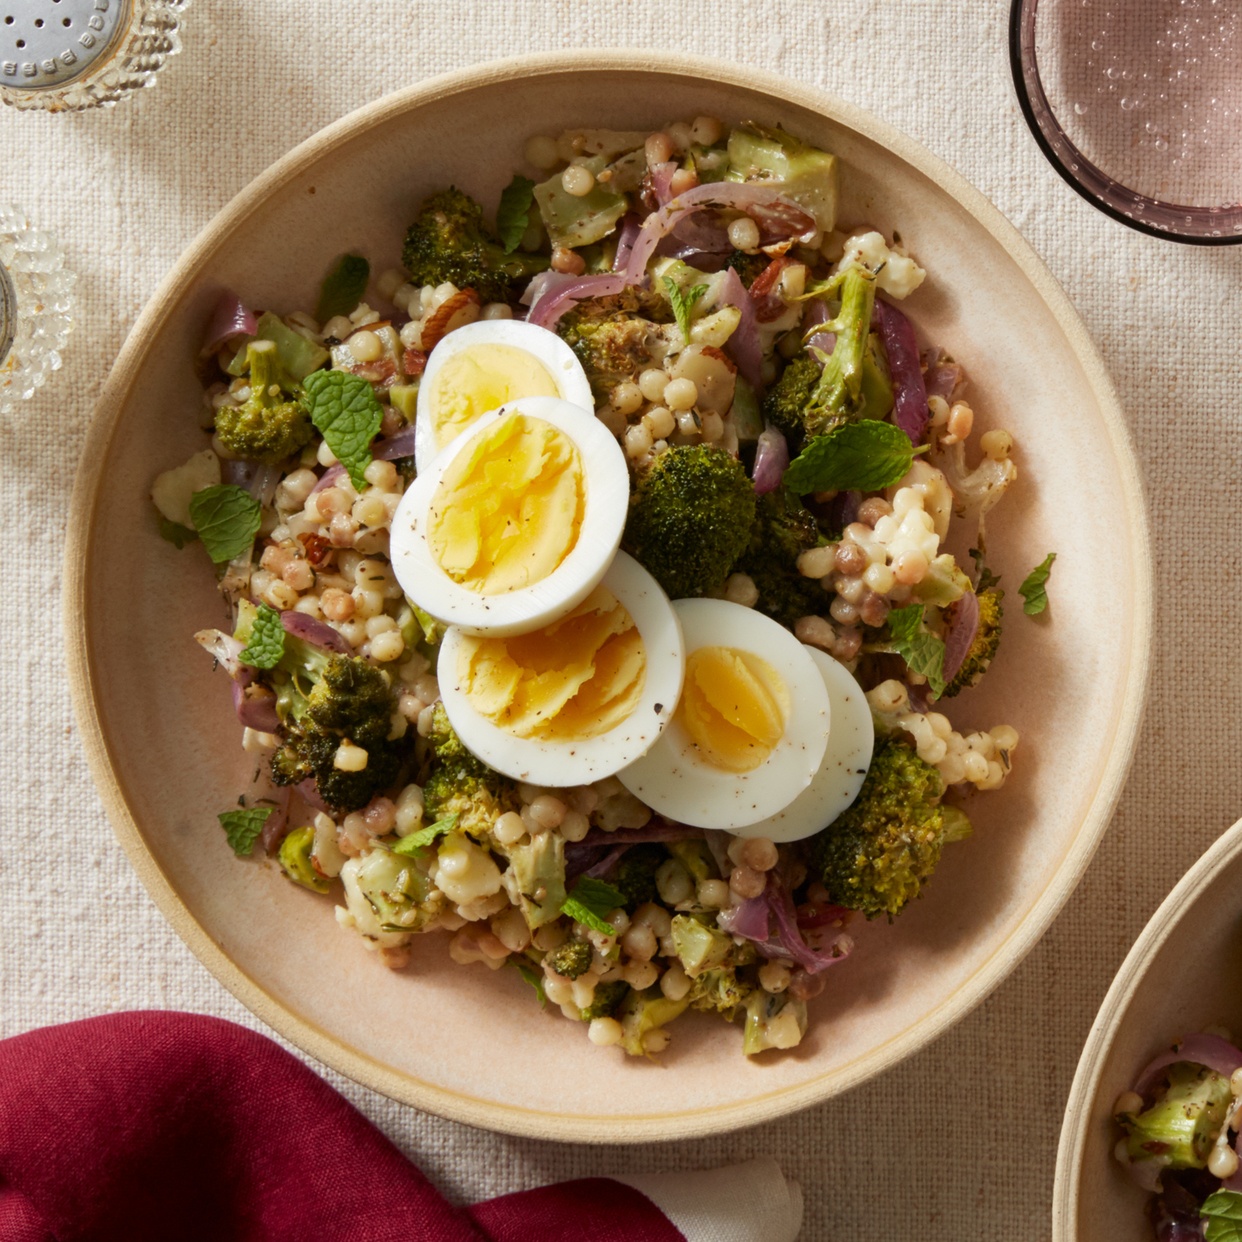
(470, 1044)
(1184, 973)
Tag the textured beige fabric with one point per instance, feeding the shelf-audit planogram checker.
(959, 1142)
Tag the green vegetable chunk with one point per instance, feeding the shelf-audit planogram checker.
(343, 287)
(227, 520)
(691, 519)
(347, 414)
(809, 176)
(242, 827)
(267, 640)
(295, 859)
(1181, 1126)
(1034, 587)
(866, 456)
(298, 356)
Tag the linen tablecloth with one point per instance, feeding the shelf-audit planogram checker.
(958, 1143)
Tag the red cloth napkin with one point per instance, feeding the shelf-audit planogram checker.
(141, 1127)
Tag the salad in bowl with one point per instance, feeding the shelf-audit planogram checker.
(599, 576)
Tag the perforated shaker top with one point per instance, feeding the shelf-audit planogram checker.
(51, 42)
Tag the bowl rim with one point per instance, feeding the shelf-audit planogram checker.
(1169, 915)
(472, 1109)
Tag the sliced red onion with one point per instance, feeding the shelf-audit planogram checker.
(843, 509)
(919, 702)
(754, 920)
(744, 346)
(963, 626)
(276, 826)
(704, 231)
(771, 460)
(318, 633)
(750, 920)
(626, 237)
(254, 712)
(238, 473)
(543, 283)
(229, 319)
(662, 181)
(816, 313)
(1145, 1174)
(551, 306)
(400, 445)
(309, 793)
(657, 830)
(1211, 1050)
(600, 869)
(910, 411)
(264, 484)
(329, 478)
(941, 378)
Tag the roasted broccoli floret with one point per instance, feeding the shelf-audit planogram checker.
(635, 872)
(614, 337)
(461, 785)
(983, 648)
(878, 853)
(331, 703)
(607, 999)
(1181, 1126)
(782, 531)
(719, 991)
(449, 242)
(749, 267)
(271, 424)
(571, 959)
(691, 518)
(807, 401)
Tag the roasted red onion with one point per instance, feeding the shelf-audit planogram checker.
(942, 378)
(254, 711)
(309, 793)
(238, 473)
(550, 306)
(228, 320)
(771, 460)
(910, 411)
(657, 830)
(318, 633)
(817, 313)
(743, 345)
(963, 626)
(662, 181)
(330, 477)
(626, 237)
(276, 826)
(400, 445)
(1211, 1050)
(755, 918)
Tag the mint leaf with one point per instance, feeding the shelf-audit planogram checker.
(535, 979)
(1223, 1213)
(922, 652)
(347, 414)
(590, 901)
(866, 456)
(243, 827)
(266, 643)
(227, 520)
(343, 287)
(416, 842)
(1034, 587)
(513, 214)
(683, 302)
(176, 534)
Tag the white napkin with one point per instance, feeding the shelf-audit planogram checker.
(751, 1202)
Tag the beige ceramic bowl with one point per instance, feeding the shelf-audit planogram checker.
(1184, 973)
(464, 1042)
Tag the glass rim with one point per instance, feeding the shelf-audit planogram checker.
(8, 313)
(1168, 221)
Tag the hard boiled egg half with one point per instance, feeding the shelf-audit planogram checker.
(483, 366)
(515, 523)
(750, 732)
(574, 700)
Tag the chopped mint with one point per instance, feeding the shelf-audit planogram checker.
(243, 827)
(683, 302)
(1223, 1213)
(416, 842)
(176, 534)
(227, 520)
(535, 979)
(590, 901)
(1034, 587)
(866, 456)
(347, 414)
(343, 287)
(922, 652)
(513, 214)
(266, 643)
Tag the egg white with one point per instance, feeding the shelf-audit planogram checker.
(606, 501)
(851, 738)
(543, 345)
(550, 762)
(675, 781)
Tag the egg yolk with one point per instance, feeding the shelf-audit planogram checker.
(481, 378)
(569, 681)
(733, 707)
(509, 508)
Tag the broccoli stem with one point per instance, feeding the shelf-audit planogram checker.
(839, 391)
